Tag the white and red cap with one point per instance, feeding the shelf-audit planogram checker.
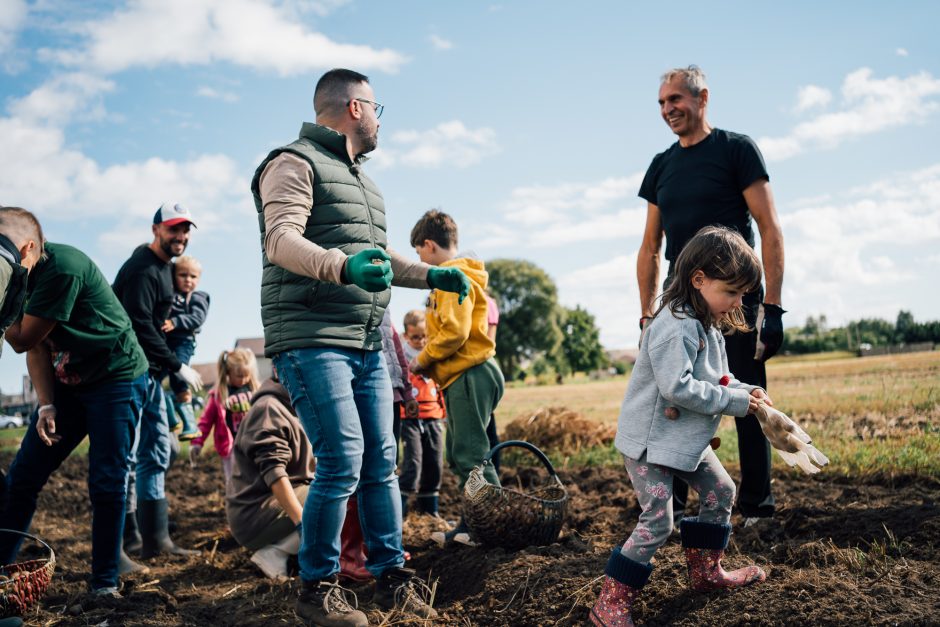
(171, 213)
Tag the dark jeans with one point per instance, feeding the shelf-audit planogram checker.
(107, 414)
(754, 496)
(423, 463)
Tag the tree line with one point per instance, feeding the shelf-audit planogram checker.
(815, 336)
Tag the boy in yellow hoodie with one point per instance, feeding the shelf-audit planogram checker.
(459, 353)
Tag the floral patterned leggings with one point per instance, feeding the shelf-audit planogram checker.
(653, 485)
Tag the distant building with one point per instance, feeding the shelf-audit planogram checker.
(21, 404)
(627, 355)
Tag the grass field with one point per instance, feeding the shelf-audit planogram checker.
(874, 415)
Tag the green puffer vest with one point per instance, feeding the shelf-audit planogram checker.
(348, 214)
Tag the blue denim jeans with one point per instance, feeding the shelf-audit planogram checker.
(107, 414)
(343, 398)
(152, 452)
(183, 346)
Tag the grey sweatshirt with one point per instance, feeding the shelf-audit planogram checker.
(680, 365)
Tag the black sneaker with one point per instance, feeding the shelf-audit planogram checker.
(398, 588)
(326, 603)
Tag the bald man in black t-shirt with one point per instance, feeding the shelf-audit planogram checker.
(712, 176)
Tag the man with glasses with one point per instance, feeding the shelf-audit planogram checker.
(327, 270)
(713, 176)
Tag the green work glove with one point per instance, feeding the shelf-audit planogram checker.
(450, 280)
(369, 269)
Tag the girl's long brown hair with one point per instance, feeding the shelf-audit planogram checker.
(721, 254)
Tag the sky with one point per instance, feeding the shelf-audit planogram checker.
(531, 123)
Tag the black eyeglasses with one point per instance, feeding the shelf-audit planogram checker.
(379, 108)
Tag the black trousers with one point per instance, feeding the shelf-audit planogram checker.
(754, 496)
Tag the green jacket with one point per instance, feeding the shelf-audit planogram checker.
(348, 214)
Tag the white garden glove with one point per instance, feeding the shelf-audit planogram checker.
(793, 444)
(192, 378)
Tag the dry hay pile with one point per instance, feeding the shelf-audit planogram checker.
(559, 430)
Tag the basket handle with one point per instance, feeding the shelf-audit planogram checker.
(30, 537)
(521, 444)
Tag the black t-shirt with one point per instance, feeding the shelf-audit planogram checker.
(702, 185)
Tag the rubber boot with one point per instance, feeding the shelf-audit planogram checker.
(188, 418)
(428, 504)
(154, 532)
(172, 418)
(127, 566)
(624, 578)
(132, 540)
(352, 557)
(704, 545)
(272, 559)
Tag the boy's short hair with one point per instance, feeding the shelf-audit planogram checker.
(185, 261)
(436, 226)
(413, 318)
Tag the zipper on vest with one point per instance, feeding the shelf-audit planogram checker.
(365, 199)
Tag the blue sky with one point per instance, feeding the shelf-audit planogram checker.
(532, 123)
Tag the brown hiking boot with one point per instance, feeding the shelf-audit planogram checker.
(398, 588)
(325, 603)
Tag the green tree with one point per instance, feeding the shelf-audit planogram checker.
(529, 315)
(581, 344)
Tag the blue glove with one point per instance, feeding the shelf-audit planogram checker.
(450, 280)
(769, 331)
(369, 269)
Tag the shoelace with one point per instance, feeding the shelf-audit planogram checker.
(335, 599)
(413, 591)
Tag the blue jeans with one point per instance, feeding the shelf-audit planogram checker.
(343, 398)
(107, 414)
(183, 346)
(152, 452)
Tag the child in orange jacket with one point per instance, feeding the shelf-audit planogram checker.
(422, 435)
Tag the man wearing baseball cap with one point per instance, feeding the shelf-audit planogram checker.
(144, 285)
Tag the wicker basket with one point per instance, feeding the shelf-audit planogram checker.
(499, 516)
(22, 584)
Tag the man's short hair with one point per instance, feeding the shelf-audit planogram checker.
(436, 226)
(19, 224)
(693, 76)
(334, 89)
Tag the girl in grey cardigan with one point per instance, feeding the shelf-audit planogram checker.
(678, 391)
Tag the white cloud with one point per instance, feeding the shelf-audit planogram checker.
(258, 34)
(448, 143)
(901, 52)
(869, 105)
(38, 170)
(214, 94)
(608, 290)
(12, 17)
(440, 43)
(811, 97)
(554, 215)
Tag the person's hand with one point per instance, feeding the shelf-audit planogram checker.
(450, 280)
(411, 408)
(45, 425)
(761, 395)
(192, 378)
(369, 269)
(167, 326)
(769, 331)
(752, 405)
(194, 451)
(415, 367)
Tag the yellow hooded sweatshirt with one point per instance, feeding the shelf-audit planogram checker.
(457, 339)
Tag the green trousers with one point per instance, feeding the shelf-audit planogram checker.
(471, 400)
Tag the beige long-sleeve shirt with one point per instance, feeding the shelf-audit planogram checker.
(286, 188)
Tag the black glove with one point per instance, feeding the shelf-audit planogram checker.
(769, 331)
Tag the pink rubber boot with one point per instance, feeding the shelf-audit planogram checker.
(704, 545)
(625, 578)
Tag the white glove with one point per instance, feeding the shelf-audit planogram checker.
(194, 450)
(793, 444)
(192, 378)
